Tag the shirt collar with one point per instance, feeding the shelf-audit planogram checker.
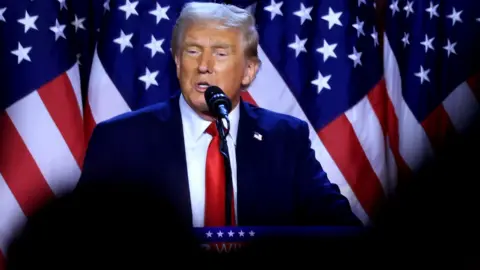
(195, 126)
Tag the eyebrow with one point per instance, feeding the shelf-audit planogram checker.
(221, 45)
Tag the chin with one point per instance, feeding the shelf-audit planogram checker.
(199, 104)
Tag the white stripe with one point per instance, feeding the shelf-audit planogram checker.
(462, 107)
(369, 132)
(12, 217)
(415, 147)
(270, 92)
(74, 76)
(103, 96)
(45, 142)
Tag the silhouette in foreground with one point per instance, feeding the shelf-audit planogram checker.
(103, 225)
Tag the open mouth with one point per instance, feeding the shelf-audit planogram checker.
(202, 86)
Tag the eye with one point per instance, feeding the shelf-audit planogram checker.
(192, 51)
(221, 53)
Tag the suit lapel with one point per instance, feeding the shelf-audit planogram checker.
(172, 167)
(249, 154)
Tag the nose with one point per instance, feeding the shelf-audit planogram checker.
(205, 64)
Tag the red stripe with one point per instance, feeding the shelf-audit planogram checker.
(439, 128)
(89, 122)
(383, 108)
(342, 143)
(19, 169)
(474, 83)
(248, 98)
(59, 99)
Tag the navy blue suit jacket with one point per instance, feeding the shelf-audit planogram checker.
(279, 180)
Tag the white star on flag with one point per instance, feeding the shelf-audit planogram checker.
(2, 11)
(298, 45)
(408, 8)
(405, 39)
(160, 12)
(303, 13)
(274, 9)
(355, 56)
(155, 46)
(28, 22)
(58, 30)
(106, 6)
(78, 23)
(63, 5)
(455, 16)
(22, 53)
(428, 43)
(394, 7)
(423, 75)
(333, 18)
(327, 50)
(149, 78)
(432, 10)
(322, 82)
(124, 40)
(359, 26)
(129, 8)
(374, 35)
(450, 48)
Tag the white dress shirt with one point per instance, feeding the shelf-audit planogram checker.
(196, 145)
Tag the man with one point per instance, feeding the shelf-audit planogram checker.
(167, 147)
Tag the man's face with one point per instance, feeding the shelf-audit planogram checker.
(212, 56)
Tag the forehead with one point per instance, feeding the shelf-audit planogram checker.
(209, 33)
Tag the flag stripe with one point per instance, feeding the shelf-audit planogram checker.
(338, 136)
(45, 142)
(12, 215)
(74, 76)
(103, 96)
(414, 145)
(384, 111)
(439, 128)
(59, 99)
(370, 136)
(27, 184)
(89, 123)
(462, 107)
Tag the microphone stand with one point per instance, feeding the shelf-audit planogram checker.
(223, 132)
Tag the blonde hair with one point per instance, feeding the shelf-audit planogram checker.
(228, 16)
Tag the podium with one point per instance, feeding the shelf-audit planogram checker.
(232, 239)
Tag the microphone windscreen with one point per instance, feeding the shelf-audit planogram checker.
(214, 96)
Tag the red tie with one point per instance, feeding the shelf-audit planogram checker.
(215, 182)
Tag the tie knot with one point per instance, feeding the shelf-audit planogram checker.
(212, 129)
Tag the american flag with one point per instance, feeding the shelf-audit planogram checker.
(379, 103)
(41, 106)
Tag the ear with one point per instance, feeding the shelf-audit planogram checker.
(177, 63)
(250, 72)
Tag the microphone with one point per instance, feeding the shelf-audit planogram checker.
(218, 103)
